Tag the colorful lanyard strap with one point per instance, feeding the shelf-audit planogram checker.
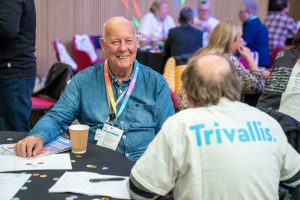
(109, 90)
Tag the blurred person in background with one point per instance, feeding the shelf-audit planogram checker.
(255, 34)
(280, 25)
(17, 63)
(204, 21)
(226, 39)
(183, 39)
(156, 24)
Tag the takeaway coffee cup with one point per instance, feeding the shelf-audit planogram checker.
(79, 138)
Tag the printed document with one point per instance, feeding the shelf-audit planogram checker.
(78, 182)
(16, 163)
(10, 184)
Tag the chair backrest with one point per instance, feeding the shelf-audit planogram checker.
(173, 70)
(62, 54)
(274, 53)
(57, 78)
(84, 51)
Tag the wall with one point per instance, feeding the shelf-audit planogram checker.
(64, 18)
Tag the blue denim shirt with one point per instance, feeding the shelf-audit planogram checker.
(85, 98)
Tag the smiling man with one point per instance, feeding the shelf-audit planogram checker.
(124, 103)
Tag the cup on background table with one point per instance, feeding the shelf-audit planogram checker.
(79, 138)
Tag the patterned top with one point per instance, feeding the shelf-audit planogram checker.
(280, 27)
(252, 82)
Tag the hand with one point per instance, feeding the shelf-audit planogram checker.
(29, 146)
(245, 52)
(266, 73)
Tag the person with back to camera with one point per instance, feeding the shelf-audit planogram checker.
(156, 24)
(119, 93)
(17, 63)
(279, 24)
(184, 39)
(282, 90)
(226, 39)
(220, 148)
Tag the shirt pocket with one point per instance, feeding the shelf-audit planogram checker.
(143, 115)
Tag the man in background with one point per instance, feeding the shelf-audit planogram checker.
(220, 148)
(204, 21)
(184, 39)
(17, 63)
(255, 33)
(280, 25)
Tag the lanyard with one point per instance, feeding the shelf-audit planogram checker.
(110, 93)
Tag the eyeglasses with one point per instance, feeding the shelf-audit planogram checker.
(204, 10)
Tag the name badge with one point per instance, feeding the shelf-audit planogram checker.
(109, 137)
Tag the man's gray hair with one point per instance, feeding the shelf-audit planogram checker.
(204, 86)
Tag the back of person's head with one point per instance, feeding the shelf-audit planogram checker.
(277, 5)
(186, 15)
(251, 6)
(222, 38)
(209, 78)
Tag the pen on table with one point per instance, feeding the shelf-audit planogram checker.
(96, 180)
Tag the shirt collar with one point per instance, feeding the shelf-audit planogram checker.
(115, 80)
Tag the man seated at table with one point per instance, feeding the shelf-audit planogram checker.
(184, 39)
(120, 92)
(218, 149)
(155, 25)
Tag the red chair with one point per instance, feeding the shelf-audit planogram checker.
(274, 54)
(62, 54)
(84, 52)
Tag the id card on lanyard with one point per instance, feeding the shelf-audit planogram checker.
(110, 136)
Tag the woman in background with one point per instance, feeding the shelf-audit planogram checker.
(226, 39)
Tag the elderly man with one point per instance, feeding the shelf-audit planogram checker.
(255, 33)
(126, 96)
(204, 21)
(218, 149)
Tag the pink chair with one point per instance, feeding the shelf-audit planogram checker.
(84, 51)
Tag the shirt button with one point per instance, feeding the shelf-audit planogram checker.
(126, 154)
(8, 65)
(124, 137)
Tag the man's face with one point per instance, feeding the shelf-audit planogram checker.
(243, 13)
(163, 11)
(120, 46)
(204, 11)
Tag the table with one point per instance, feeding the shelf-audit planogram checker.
(106, 160)
(152, 59)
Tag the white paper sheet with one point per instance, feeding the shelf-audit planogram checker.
(10, 184)
(78, 182)
(15, 163)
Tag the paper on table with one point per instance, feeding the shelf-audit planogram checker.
(78, 182)
(15, 163)
(10, 184)
(60, 144)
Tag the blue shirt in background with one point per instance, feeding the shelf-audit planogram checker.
(85, 98)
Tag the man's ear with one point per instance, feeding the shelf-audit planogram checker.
(102, 43)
